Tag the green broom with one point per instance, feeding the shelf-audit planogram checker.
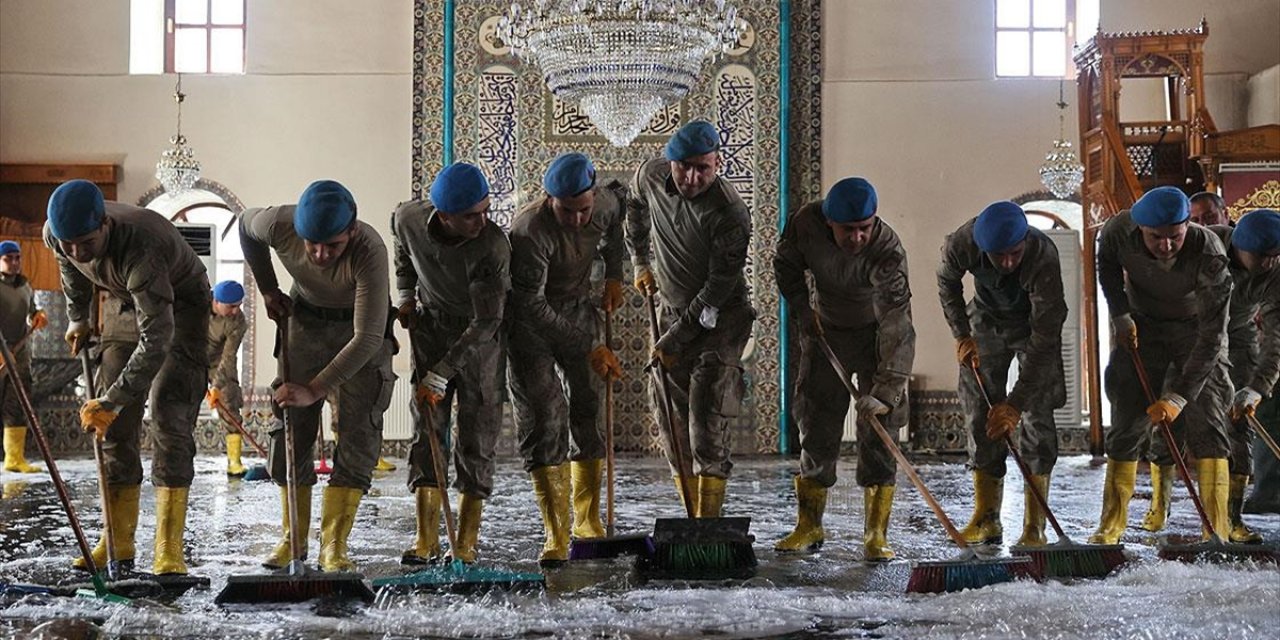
(1064, 558)
(692, 548)
(966, 572)
(1214, 549)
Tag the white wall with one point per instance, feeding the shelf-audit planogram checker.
(327, 94)
(1264, 97)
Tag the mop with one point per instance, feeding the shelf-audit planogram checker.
(1064, 558)
(966, 572)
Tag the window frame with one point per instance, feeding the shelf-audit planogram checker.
(1068, 31)
(171, 26)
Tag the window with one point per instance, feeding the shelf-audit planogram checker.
(204, 36)
(1035, 37)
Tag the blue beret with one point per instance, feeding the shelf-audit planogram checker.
(693, 139)
(1161, 206)
(228, 292)
(569, 175)
(1000, 226)
(850, 200)
(8, 246)
(76, 208)
(325, 209)
(1257, 232)
(458, 187)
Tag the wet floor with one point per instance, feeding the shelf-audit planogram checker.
(232, 525)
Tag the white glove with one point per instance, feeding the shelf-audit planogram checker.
(436, 382)
(868, 405)
(1125, 331)
(708, 317)
(1245, 403)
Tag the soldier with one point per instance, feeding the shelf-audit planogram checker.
(695, 262)
(1208, 209)
(18, 317)
(1017, 311)
(864, 302)
(137, 257)
(339, 347)
(554, 242)
(1167, 284)
(227, 327)
(453, 274)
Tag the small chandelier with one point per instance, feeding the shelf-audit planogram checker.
(1061, 172)
(178, 170)
(620, 60)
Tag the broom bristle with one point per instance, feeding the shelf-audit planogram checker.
(1218, 552)
(700, 561)
(957, 575)
(1063, 560)
(283, 588)
(460, 578)
(604, 548)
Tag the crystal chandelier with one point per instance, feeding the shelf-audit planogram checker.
(620, 60)
(1061, 172)
(178, 169)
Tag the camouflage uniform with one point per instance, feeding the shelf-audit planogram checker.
(698, 256)
(148, 265)
(554, 320)
(338, 341)
(17, 304)
(1181, 313)
(225, 335)
(1015, 315)
(461, 292)
(864, 305)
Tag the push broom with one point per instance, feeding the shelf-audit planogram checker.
(1214, 549)
(1064, 558)
(611, 545)
(257, 471)
(295, 582)
(456, 576)
(692, 548)
(939, 576)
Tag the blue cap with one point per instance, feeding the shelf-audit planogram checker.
(1161, 206)
(8, 246)
(76, 208)
(1000, 226)
(458, 187)
(325, 209)
(1257, 232)
(228, 292)
(569, 175)
(693, 139)
(850, 200)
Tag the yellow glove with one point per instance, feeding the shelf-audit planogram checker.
(1167, 408)
(605, 363)
(667, 360)
(644, 280)
(967, 352)
(77, 335)
(39, 320)
(1002, 419)
(213, 396)
(612, 299)
(97, 415)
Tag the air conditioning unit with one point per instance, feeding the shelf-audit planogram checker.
(203, 237)
(1071, 415)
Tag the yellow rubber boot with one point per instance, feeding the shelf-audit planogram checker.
(710, 496)
(469, 509)
(550, 491)
(337, 516)
(1033, 516)
(692, 483)
(383, 465)
(426, 546)
(811, 502)
(235, 442)
(282, 554)
(123, 503)
(988, 494)
(1214, 484)
(1240, 533)
(586, 498)
(877, 503)
(1117, 490)
(15, 445)
(171, 522)
(1161, 492)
